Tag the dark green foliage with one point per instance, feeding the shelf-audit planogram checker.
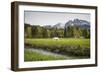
(28, 31)
(69, 31)
(73, 31)
(37, 32)
(86, 33)
(57, 33)
(76, 32)
(41, 32)
(32, 31)
(46, 33)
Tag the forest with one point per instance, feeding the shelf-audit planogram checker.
(32, 31)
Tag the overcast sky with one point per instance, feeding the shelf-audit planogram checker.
(52, 18)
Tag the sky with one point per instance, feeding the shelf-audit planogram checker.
(52, 18)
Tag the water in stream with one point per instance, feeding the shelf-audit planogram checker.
(43, 52)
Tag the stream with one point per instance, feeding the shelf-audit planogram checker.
(51, 53)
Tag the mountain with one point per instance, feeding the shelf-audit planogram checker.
(47, 26)
(75, 22)
(79, 23)
(69, 23)
(82, 23)
(59, 25)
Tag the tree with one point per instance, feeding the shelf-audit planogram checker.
(86, 33)
(29, 32)
(60, 33)
(77, 33)
(73, 31)
(46, 33)
(68, 32)
(52, 34)
(37, 32)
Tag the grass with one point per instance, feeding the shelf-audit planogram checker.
(60, 42)
(77, 47)
(34, 56)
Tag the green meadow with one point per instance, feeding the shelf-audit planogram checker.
(60, 42)
(73, 47)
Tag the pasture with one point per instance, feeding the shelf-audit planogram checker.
(60, 42)
(73, 47)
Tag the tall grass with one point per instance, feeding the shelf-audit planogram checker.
(34, 56)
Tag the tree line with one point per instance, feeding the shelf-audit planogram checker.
(31, 31)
